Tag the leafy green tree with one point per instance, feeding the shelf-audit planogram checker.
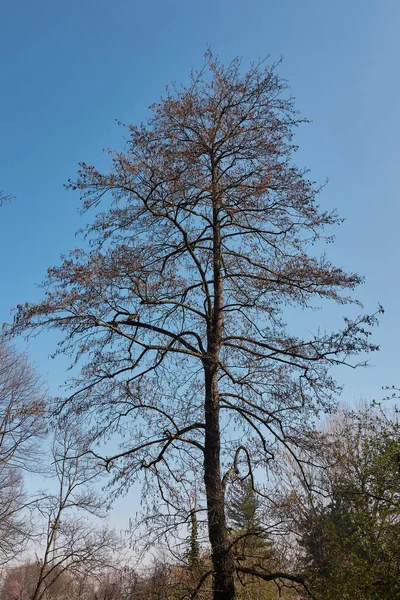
(243, 507)
(352, 540)
(243, 512)
(193, 553)
(252, 546)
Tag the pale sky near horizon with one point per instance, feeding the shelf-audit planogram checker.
(69, 69)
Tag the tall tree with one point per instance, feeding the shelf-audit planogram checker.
(177, 310)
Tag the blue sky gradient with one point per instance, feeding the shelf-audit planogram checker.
(69, 69)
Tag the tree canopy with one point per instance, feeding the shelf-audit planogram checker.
(202, 235)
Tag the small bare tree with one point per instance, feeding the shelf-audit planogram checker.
(22, 407)
(14, 525)
(178, 311)
(22, 424)
(18, 581)
(72, 543)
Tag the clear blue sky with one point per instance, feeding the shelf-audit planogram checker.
(68, 69)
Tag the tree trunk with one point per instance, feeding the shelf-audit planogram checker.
(222, 560)
(223, 566)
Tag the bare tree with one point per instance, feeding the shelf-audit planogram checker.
(14, 524)
(22, 424)
(22, 407)
(72, 543)
(178, 310)
(18, 582)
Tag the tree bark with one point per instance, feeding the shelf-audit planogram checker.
(223, 566)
